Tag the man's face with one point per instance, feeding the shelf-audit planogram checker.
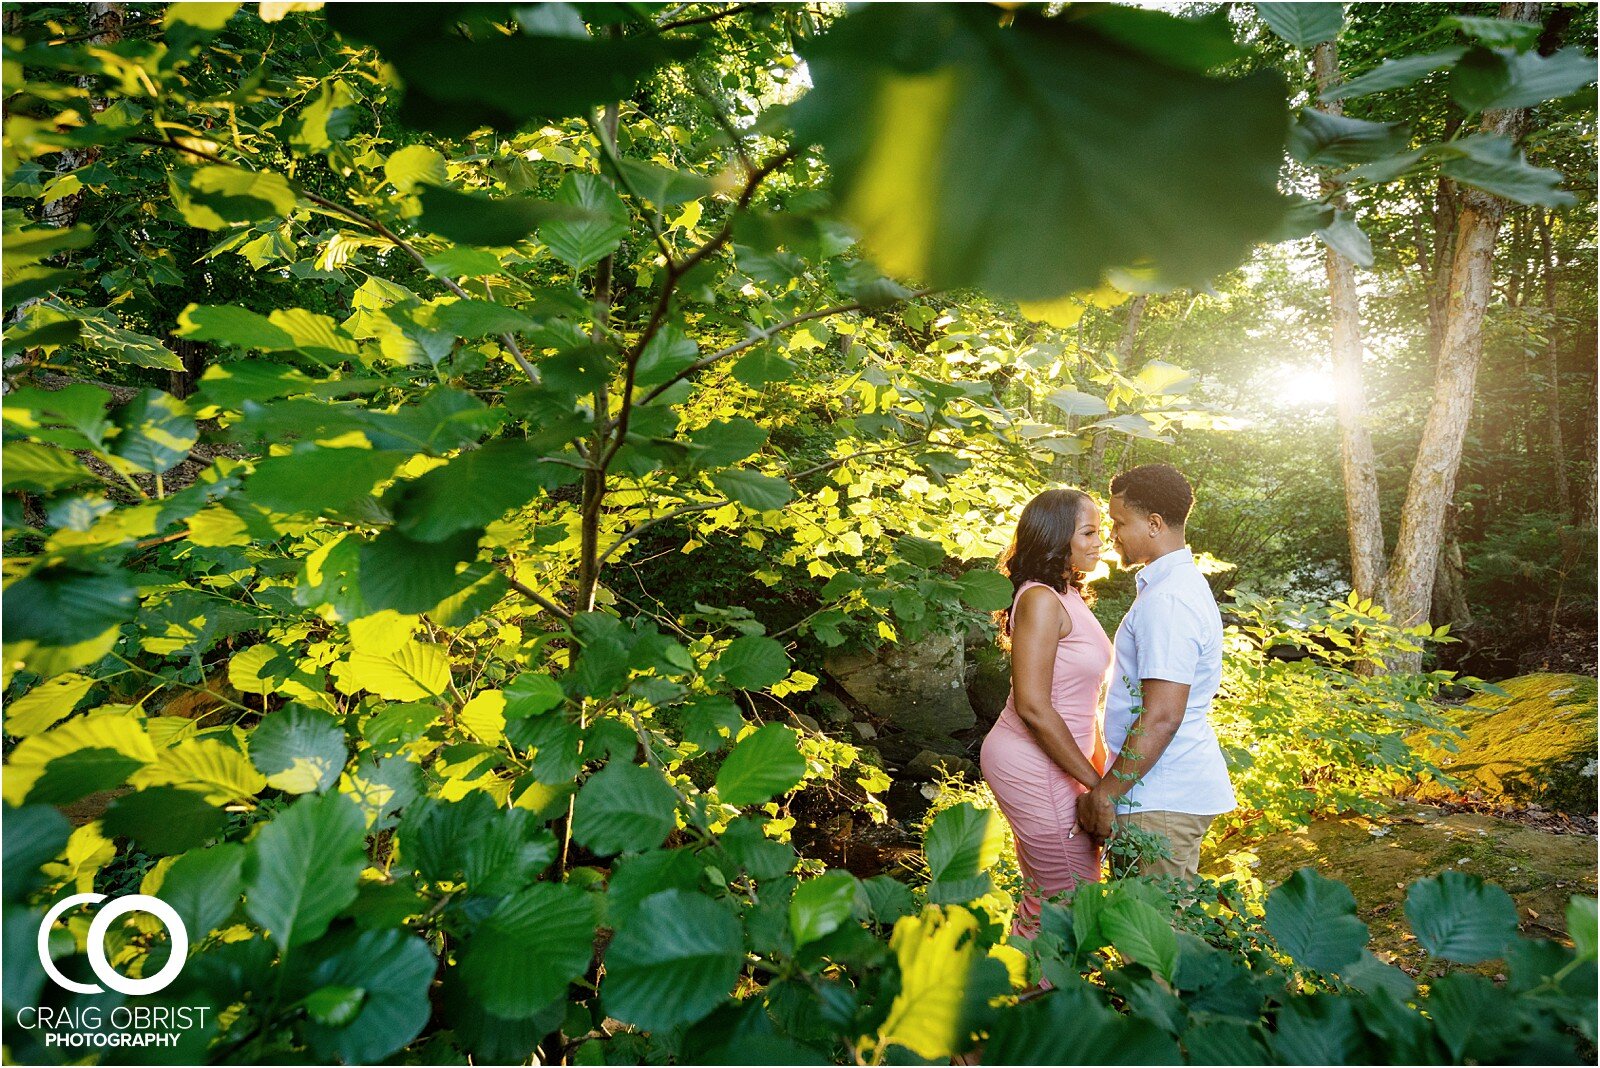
(1130, 532)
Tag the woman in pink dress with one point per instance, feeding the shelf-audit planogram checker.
(1046, 748)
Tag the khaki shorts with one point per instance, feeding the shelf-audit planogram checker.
(1183, 833)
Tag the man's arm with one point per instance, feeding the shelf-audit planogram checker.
(1164, 703)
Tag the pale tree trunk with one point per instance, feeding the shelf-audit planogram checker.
(1450, 582)
(1124, 357)
(1363, 519)
(1552, 353)
(1408, 584)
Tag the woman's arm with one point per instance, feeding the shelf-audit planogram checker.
(1038, 624)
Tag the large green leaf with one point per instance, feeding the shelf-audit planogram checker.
(623, 807)
(1314, 920)
(752, 662)
(1303, 25)
(165, 819)
(415, 671)
(821, 906)
(474, 489)
(1317, 1029)
(63, 605)
(334, 482)
(1491, 79)
(1460, 917)
(204, 886)
(156, 432)
(393, 971)
(1033, 157)
(458, 80)
(407, 167)
(302, 868)
(480, 220)
(530, 947)
(298, 749)
(218, 197)
(1138, 931)
(1395, 73)
(675, 961)
(585, 241)
(494, 850)
(1324, 139)
(963, 841)
(230, 325)
(985, 590)
(763, 765)
(1496, 165)
(412, 576)
(31, 466)
(761, 493)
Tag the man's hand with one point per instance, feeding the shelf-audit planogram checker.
(1095, 812)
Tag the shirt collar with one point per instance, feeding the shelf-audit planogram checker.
(1162, 565)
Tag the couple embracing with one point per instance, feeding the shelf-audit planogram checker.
(1098, 734)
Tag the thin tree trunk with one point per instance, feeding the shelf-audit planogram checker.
(1552, 352)
(1408, 584)
(1124, 356)
(1450, 582)
(1364, 522)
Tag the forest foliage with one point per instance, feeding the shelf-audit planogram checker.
(366, 365)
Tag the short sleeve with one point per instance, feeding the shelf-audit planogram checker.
(1168, 640)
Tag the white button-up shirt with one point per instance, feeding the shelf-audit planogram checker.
(1173, 632)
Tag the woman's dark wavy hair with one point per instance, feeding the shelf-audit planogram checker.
(1041, 549)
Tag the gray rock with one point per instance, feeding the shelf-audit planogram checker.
(919, 688)
(988, 680)
(866, 730)
(830, 708)
(927, 765)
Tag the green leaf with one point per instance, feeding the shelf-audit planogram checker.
(408, 167)
(748, 846)
(474, 489)
(623, 808)
(1320, 138)
(415, 671)
(960, 151)
(1495, 32)
(298, 749)
(821, 906)
(665, 188)
(49, 701)
(156, 432)
(457, 82)
(204, 886)
(674, 962)
(531, 694)
(752, 662)
(1494, 164)
(219, 197)
(1138, 931)
(23, 247)
(636, 877)
(335, 1006)
(762, 366)
(1460, 917)
(412, 576)
(36, 834)
(165, 820)
(668, 352)
(962, 842)
(1314, 920)
(582, 242)
(479, 220)
(1581, 926)
(530, 947)
(1303, 25)
(393, 970)
(763, 765)
(301, 869)
(318, 481)
(985, 591)
(62, 605)
(1073, 402)
(31, 466)
(1395, 73)
(230, 325)
(758, 492)
(475, 318)
(1487, 80)
(1317, 1029)
(1346, 238)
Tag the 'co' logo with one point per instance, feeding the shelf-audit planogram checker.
(97, 944)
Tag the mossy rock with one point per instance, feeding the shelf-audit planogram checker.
(1536, 744)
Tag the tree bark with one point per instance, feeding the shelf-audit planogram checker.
(1362, 516)
(1408, 584)
(1552, 352)
(1124, 356)
(105, 27)
(1450, 582)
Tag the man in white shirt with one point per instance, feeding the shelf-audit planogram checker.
(1169, 776)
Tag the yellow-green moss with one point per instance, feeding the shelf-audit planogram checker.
(1535, 744)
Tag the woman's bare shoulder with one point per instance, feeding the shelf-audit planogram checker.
(1042, 605)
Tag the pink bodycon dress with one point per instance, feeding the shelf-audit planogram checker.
(1039, 799)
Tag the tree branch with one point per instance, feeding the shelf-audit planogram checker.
(538, 598)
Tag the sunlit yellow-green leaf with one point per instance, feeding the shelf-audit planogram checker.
(936, 951)
(46, 703)
(223, 772)
(117, 734)
(412, 672)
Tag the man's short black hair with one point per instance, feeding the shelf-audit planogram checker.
(1158, 489)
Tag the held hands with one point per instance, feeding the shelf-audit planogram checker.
(1095, 812)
